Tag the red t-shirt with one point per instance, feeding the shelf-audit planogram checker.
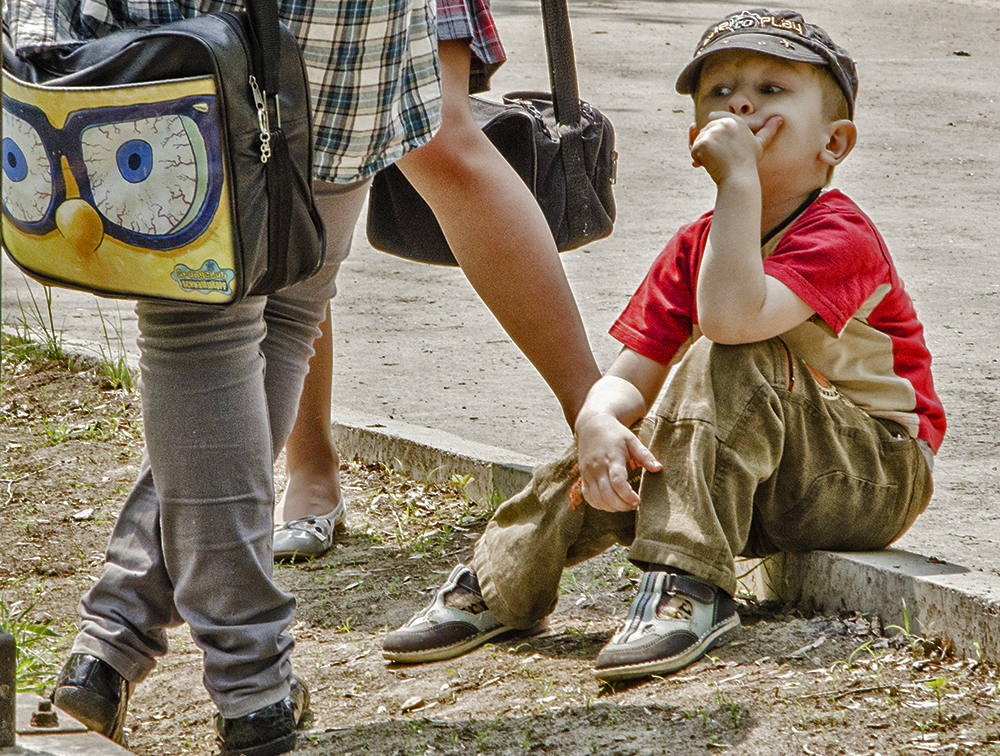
(865, 337)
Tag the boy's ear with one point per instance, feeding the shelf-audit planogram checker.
(843, 136)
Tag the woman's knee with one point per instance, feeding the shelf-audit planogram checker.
(455, 153)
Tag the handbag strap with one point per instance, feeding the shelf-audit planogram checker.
(566, 103)
(562, 62)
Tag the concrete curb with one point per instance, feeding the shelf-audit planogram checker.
(425, 452)
(933, 599)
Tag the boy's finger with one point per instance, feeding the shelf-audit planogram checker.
(643, 456)
(604, 496)
(696, 156)
(770, 128)
(627, 498)
(695, 135)
(718, 115)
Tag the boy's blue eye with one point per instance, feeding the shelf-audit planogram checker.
(770, 89)
(721, 91)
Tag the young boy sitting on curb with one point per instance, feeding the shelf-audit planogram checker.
(801, 415)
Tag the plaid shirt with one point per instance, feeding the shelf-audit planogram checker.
(472, 20)
(371, 64)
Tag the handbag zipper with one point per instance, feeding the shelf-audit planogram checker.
(259, 96)
(262, 120)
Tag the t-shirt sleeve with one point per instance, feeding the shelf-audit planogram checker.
(658, 318)
(833, 259)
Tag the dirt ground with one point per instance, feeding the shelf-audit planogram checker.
(789, 685)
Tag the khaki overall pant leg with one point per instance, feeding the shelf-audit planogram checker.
(758, 457)
(534, 535)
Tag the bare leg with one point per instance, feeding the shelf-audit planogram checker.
(311, 458)
(501, 239)
(503, 243)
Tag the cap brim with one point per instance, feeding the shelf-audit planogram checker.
(768, 44)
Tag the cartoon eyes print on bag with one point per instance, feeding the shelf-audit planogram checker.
(143, 174)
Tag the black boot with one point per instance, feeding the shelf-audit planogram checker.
(266, 732)
(92, 691)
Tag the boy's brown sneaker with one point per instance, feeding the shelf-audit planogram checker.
(456, 621)
(672, 623)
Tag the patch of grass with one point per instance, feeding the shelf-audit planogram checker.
(18, 349)
(939, 686)
(115, 359)
(35, 640)
(36, 324)
(345, 626)
(734, 710)
(568, 583)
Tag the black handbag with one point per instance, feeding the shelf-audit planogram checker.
(561, 147)
(170, 163)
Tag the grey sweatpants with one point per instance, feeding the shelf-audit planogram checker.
(758, 457)
(220, 391)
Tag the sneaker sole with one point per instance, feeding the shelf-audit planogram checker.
(457, 649)
(719, 637)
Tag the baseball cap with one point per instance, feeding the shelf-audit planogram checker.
(782, 33)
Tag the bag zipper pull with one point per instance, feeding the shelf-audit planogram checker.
(265, 129)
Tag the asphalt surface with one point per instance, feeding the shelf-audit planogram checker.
(415, 345)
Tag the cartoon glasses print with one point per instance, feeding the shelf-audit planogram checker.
(153, 172)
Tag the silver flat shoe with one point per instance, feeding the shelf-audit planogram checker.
(308, 537)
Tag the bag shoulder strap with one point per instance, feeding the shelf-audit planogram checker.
(264, 23)
(566, 103)
(266, 61)
(562, 63)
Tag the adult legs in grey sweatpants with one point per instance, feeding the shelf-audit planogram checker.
(220, 391)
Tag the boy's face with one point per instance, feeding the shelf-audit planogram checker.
(755, 87)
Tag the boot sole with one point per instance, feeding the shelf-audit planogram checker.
(284, 744)
(92, 710)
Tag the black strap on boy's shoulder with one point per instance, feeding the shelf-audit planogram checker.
(787, 221)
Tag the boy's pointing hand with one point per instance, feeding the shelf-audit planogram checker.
(608, 452)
